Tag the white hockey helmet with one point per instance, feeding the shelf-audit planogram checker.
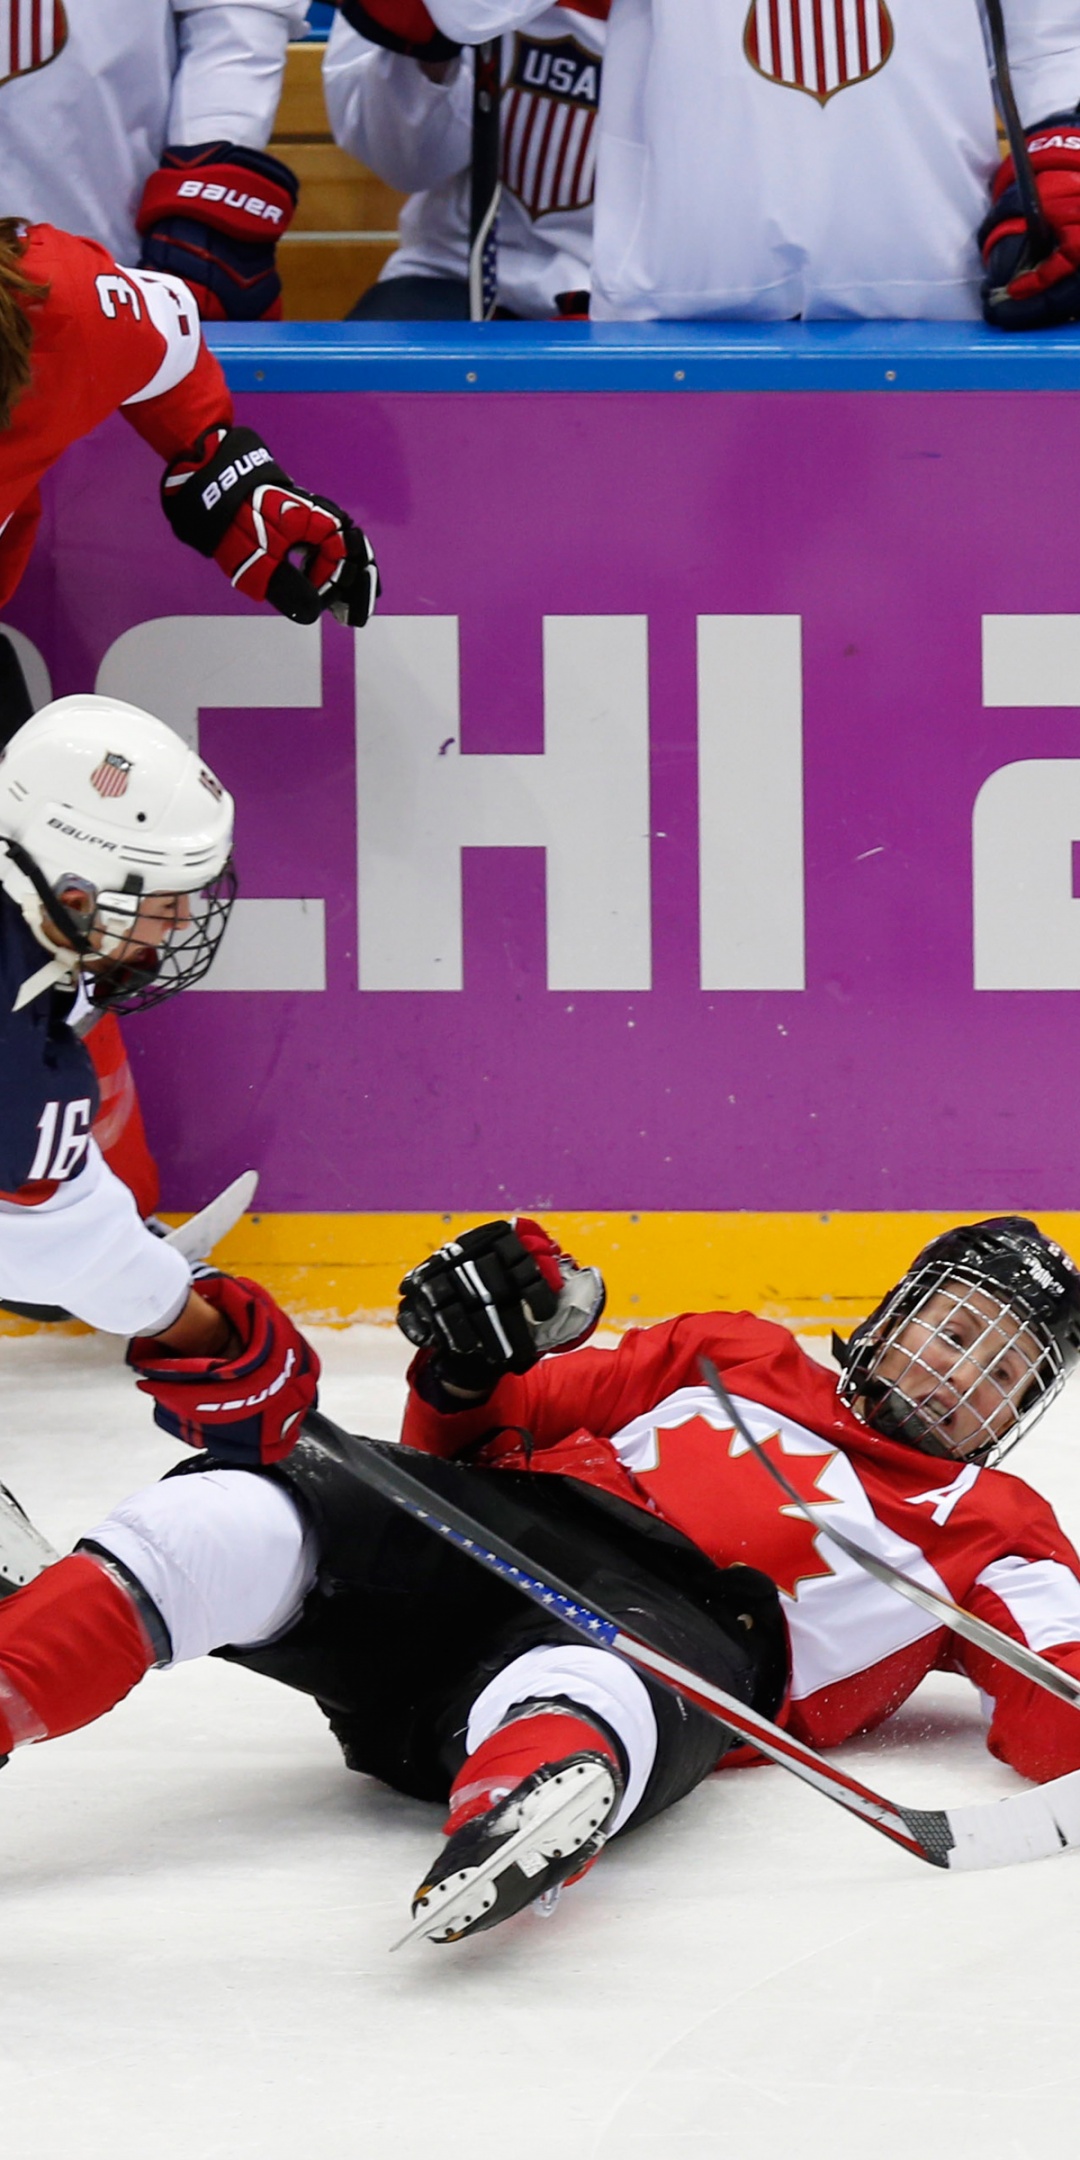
(103, 804)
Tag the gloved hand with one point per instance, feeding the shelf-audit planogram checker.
(212, 214)
(246, 1408)
(1049, 294)
(402, 26)
(495, 1301)
(229, 498)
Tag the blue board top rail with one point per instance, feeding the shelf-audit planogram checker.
(677, 357)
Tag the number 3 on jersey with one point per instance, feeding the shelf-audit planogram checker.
(63, 1138)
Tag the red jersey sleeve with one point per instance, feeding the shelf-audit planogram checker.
(1032, 1593)
(601, 1390)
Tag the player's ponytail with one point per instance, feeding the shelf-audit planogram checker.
(16, 326)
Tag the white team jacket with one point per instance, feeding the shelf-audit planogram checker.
(416, 135)
(767, 159)
(88, 99)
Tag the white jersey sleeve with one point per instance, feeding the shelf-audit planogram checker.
(383, 109)
(85, 1249)
(1044, 56)
(231, 58)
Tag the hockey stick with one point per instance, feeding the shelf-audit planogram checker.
(1026, 1826)
(486, 186)
(951, 1616)
(197, 1237)
(1040, 241)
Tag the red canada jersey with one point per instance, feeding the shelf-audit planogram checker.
(105, 339)
(638, 1421)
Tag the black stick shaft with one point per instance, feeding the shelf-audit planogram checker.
(1040, 238)
(486, 185)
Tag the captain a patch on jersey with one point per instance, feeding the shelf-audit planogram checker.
(550, 102)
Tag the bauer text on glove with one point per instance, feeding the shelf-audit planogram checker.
(229, 498)
(212, 214)
(245, 1408)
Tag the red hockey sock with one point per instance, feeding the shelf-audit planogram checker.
(71, 1645)
(516, 1751)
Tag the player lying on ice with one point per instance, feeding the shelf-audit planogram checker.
(440, 1679)
(116, 882)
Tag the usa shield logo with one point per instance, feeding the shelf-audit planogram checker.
(111, 776)
(820, 46)
(549, 124)
(32, 32)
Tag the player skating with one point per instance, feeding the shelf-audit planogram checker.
(116, 882)
(771, 159)
(442, 1681)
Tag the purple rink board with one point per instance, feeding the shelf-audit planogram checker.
(890, 527)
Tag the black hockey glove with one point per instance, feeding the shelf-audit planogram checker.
(495, 1301)
(229, 498)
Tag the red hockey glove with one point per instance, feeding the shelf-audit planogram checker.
(211, 215)
(244, 1409)
(229, 498)
(495, 1301)
(1049, 294)
(402, 26)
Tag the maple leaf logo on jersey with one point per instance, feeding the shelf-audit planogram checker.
(820, 46)
(32, 32)
(707, 1481)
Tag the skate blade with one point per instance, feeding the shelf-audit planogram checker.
(558, 1818)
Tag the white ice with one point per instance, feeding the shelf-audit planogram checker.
(196, 1900)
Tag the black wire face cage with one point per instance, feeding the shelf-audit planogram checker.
(966, 1381)
(136, 981)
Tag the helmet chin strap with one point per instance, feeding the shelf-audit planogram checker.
(890, 1413)
(62, 964)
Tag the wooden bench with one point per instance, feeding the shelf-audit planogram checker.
(346, 223)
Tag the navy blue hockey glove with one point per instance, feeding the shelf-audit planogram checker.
(244, 1409)
(495, 1301)
(211, 215)
(1042, 297)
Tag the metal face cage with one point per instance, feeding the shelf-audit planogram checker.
(953, 1366)
(136, 981)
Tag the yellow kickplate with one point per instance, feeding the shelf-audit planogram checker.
(811, 1271)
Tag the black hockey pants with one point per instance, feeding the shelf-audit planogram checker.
(402, 1631)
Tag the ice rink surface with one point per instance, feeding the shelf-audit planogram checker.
(197, 1900)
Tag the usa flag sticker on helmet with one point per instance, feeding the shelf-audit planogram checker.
(111, 776)
(820, 46)
(32, 32)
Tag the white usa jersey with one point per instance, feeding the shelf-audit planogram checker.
(417, 135)
(767, 159)
(92, 90)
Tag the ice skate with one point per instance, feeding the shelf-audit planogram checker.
(512, 1846)
(23, 1550)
